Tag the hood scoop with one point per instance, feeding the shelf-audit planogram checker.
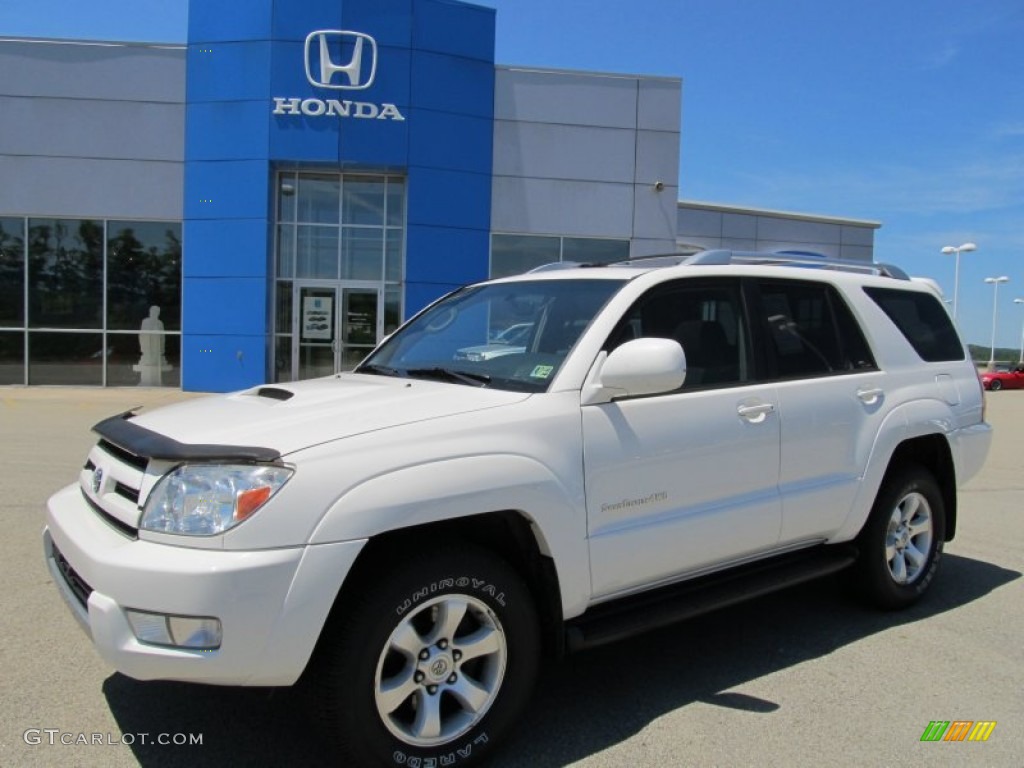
(275, 393)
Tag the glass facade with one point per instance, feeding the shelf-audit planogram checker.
(335, 234)
(90, 302)
(515, 254)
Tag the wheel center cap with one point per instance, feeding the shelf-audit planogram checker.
(438, 668)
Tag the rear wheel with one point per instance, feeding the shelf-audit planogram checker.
(434, 664)
(901, 543)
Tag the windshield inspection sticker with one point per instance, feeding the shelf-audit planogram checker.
(541, 371)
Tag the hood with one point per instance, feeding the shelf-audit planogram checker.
(289, 417)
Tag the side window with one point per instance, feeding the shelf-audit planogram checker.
(810, 330)
(706, 318)
(922, 320)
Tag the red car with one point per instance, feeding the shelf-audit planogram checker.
(996, 380)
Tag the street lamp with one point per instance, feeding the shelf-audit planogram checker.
(994, 281)
(957, 249)
(1021, 361)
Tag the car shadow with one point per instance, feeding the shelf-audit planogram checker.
(585, 704)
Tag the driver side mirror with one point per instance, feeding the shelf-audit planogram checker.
(642, 367)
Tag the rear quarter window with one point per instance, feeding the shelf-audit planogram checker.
(922, 320)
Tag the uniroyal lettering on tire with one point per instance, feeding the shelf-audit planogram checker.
(434, 662)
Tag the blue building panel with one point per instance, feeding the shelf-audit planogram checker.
(444, 198)
(225, 305)
(446, 255)
(223, 362)
(228, 71)
(389, 21)
(454, 28)
(220, 20)
(227, 248)
(431, 144)
(228, 189)
(452, 84)
(294, 20)
(207, 140)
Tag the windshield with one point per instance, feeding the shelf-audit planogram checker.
(503, 335)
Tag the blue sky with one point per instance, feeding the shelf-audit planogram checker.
(908, 112)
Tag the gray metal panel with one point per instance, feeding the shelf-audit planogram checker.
(794, 230)
(693, 222)
(700, 241)
(565, 97)
(86, 128)
(857, 252)
(81, 187)
(115, 71)
(660, 105)
(657, 158)
(739, 225)
(548, 206)
(738, 244)
(641, 247)
(851, 235)
(654, 212)
(544, 150)
(825, 249)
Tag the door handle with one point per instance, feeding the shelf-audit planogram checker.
(755, 414)
(870, 396)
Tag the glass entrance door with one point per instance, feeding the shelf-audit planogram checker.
(333, 327)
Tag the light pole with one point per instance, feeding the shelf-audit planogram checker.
(994, 282)
(1021, 361)
(957, 249)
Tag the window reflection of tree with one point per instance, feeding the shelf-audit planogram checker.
(65, 273)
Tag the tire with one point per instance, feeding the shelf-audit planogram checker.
(995, 385)
(901, 542)
(434, 663)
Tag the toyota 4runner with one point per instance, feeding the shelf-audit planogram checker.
(669, 436)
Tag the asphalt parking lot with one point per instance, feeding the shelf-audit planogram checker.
(802, 677)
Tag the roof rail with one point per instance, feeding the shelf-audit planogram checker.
(720, 256)
(555, 266)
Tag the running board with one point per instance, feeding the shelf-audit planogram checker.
(613, 621)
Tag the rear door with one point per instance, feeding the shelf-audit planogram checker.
(831, 399)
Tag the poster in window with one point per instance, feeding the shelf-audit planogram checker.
(317, 317)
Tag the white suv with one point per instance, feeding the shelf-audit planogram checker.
(672, 436)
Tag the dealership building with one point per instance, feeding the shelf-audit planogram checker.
(268, 201)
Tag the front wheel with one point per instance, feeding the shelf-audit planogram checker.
(434, 663)
(995, 385)
(901, 543)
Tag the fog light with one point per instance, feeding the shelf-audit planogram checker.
(201, 633)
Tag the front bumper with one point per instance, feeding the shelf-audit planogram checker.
(272, 603)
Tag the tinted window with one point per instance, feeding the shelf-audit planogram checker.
(705, 318)
(923, 320)
(811, 331)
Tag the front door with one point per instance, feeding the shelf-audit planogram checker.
(333, 327)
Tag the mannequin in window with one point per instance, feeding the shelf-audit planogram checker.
(152, 364)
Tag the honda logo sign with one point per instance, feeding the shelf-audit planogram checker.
(323, 45)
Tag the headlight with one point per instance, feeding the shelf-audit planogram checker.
(207, 499)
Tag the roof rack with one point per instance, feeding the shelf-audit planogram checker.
(721, 256)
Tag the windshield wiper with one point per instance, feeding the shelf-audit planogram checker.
(449, 374)
(379, 370)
